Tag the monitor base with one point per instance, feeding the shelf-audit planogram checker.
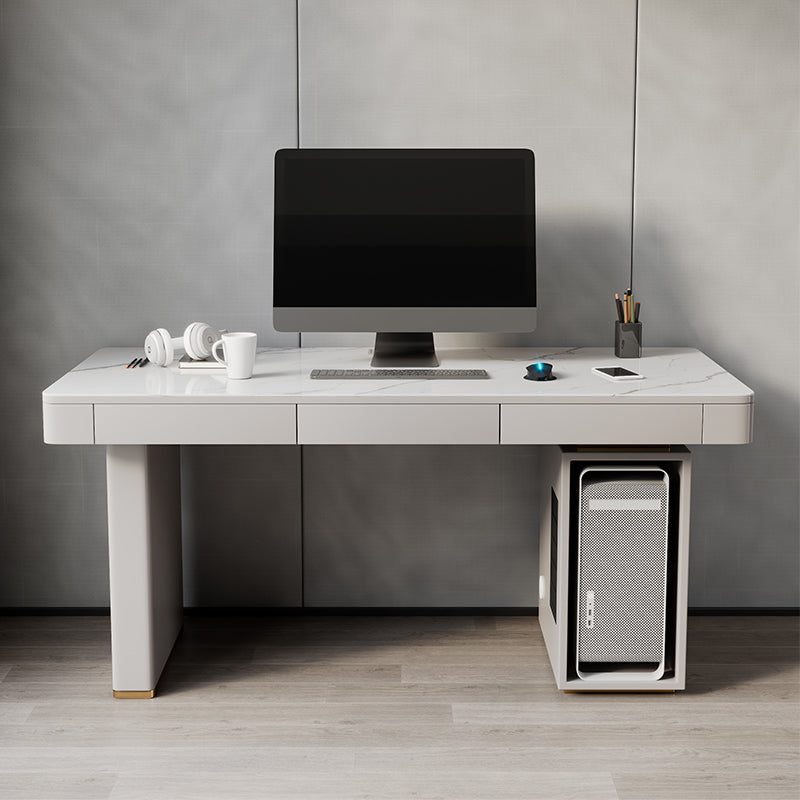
(404, 350)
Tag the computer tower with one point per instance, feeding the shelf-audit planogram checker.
(622, 548)
(613, 555)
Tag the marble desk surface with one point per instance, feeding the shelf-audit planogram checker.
(281, 375)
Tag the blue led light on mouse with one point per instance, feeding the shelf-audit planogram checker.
(540, 371)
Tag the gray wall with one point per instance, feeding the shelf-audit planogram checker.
(135, 192)
(717, 259)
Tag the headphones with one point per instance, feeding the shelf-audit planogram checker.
(197, 341)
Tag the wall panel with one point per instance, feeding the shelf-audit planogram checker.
(555, 77)
(558, 78)
(136, 143)
(420, 526)
(717, 228)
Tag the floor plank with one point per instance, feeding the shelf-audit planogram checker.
(391, 707)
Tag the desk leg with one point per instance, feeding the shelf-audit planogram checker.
(145, 570)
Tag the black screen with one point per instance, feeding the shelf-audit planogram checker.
(404, 228)
(617, 372)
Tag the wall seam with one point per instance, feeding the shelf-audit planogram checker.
(297, 102)
(297, 67)
(635, 126)
(300, 334)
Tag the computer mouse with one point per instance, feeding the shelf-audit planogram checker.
(539, 371)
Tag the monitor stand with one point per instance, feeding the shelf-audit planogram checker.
(404, 350)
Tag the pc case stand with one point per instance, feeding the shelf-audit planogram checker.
(613, 566)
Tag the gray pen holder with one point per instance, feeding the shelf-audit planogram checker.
(628, 339)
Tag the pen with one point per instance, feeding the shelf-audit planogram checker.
(620, 314)
(636, 312)
(132, 363)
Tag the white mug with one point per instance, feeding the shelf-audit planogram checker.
(239, 354)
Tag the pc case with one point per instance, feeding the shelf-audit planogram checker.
(613, 560)
(622, 560)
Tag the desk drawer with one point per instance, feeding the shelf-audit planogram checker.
(68, 423)
(601, 424)
(395, 423)
(727, 424)
(176, 423)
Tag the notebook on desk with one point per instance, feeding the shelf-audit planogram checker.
(209, 363)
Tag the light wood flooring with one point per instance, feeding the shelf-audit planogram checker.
(391, 707)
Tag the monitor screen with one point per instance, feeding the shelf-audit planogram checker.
(404, 241)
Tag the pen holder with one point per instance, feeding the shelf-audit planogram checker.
(628, 339)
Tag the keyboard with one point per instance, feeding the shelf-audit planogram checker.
(398, 374)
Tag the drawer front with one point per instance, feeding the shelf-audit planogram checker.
(601, 424)
(195, 424)
(391, 423)
(67, 423)
(727, 424)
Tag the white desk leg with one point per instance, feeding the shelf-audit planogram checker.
(145, 570)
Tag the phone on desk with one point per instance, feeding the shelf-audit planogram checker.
(617, 373)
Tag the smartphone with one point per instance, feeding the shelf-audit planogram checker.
(617, 373)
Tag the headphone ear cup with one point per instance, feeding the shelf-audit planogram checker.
(189, 340)
(158, 347)
(198, 339)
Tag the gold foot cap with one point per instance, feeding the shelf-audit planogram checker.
(120, 695)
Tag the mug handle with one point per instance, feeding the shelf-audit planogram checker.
(214, 351)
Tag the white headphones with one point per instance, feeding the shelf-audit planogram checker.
(197, 341)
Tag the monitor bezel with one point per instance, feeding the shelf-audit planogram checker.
(491, 319)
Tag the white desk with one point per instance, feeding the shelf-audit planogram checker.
(142, 415)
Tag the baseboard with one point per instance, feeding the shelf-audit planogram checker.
(280, 611)
(371, 611)
(744, 611)
(385, 611)
(55, 611)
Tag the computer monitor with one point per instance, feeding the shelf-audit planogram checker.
(404, 243)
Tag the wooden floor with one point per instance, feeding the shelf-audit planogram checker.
(391, 707)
